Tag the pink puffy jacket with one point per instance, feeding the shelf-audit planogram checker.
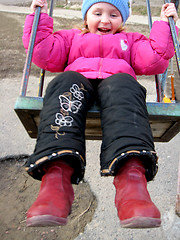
(97, 56)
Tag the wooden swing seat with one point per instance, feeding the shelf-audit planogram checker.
(164, 118)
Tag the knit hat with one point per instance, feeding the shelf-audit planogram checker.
(122, 5)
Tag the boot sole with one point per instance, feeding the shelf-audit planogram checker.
(45, 220)
(141, 222)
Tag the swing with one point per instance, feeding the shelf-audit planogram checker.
(164, 117)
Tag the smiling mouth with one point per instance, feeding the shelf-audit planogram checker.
(103, 30)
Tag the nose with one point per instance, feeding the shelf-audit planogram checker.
(105, 19)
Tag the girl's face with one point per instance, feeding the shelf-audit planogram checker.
(103, 18)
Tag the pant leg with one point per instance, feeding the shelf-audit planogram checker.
(125, 125)
(61, 132)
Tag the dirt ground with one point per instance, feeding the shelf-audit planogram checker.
(18, 190)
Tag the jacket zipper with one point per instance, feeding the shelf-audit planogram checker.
(101, 57)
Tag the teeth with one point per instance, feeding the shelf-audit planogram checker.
(104, 30)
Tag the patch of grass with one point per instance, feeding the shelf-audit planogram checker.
(69, 6)
(142, 10)
(60, 6)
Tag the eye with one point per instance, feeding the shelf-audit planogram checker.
(113, 15)
(97, 13)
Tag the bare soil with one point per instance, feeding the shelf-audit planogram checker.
(18, 192)
(17, 189)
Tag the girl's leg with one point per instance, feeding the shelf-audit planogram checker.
(59, 156)
(127, 149)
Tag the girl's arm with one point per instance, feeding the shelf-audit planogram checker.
(50, 49)
(151, 56)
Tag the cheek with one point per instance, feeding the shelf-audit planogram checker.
(116, 25)
(91, 26)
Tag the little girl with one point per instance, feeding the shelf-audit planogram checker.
(99, 63)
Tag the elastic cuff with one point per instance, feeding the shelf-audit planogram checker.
(73, 158)
(149, 159)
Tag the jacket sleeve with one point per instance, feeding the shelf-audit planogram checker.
(51, 49)
(151, 56)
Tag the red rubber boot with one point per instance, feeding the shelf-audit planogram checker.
(55, 197)
(132, 200)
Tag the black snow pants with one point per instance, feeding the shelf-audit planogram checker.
(124, 121)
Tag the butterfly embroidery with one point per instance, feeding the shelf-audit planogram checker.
(68, 105)
(63, 121)
(75, 90)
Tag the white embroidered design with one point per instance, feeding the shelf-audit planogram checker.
(124, 45)
(68, 105)
(75, 90)
(70, 102)
(63, 120)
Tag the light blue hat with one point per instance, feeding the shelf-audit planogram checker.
(122, 5)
